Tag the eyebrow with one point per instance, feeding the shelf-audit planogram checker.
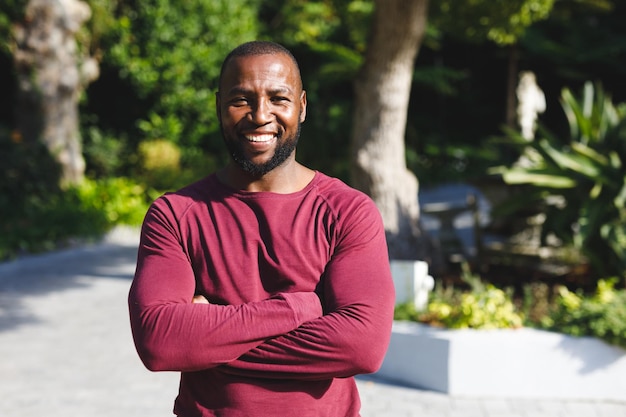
(273, 91)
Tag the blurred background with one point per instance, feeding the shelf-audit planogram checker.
(106, 104)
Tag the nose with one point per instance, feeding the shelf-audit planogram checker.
(261, 113)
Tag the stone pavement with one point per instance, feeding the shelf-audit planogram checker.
(66, 350)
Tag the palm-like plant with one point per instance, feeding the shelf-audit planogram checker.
(580, 181)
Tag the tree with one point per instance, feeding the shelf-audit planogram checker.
(52, 72)
(383, 89)
(328, 37)
(168, 54)
(502, 22)
(382, 94)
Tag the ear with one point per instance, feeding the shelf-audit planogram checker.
(303, 106)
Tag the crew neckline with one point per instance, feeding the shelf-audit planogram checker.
(227, 190)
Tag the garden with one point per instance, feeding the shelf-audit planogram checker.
(577, 188)
(148, 125)
(541, 332)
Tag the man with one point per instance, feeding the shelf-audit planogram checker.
(266, 284)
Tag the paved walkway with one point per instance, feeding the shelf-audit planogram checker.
(66, 350)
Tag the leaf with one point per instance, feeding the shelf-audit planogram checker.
(595, 191)
(590, 153)
(521, 176)
(620, 198)
(616, 161)
(571, 162)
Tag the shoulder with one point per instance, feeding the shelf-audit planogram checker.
(177, 203)
(342, 198)
(356, 220)
(337, 189)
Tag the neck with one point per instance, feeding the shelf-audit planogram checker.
(288, 178)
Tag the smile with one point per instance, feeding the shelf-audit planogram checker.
(260, 138)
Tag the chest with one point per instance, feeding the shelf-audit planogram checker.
(247, 251)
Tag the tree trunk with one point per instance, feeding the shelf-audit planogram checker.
(382, 97)
(52, 73)
(511, 84)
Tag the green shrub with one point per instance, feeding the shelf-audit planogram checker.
(578, 181)
(169, 55)
(159, 162)
(105, 154)
(29, 184)
(163, 166)
(482, 307)
(111, 201)
(602, 315)
(83, 212)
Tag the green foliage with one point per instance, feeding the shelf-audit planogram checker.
(581, 41)
(328, 37)
(333, 23)
(159, 65)
(159, 162)
(302, 22)
(579, 181)
(29, 181)
(170, 53)
(27, 171)
(104, 153)
(82, 212)
(11, 11)
(38, 215)
(482, 307)
(109, 202)
(602, 315)
(163, 166)
(500, 21)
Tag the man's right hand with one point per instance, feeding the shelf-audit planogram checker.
(199, 299)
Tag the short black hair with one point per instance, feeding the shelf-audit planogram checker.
(258, 48)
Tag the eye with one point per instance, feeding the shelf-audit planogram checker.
(280, 99)
(239, 101)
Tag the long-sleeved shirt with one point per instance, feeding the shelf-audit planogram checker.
(300, 292)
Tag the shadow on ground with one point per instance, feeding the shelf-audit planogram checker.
(39, 275)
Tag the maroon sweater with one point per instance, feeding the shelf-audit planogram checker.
(265, 345)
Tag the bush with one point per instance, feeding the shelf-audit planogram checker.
(602, 315)
(482, 307)
(105, 154)
(29, 182)
(169, 54)
(109, 202)
(83, 212)
(163, 166)
(578, 181)
(159, 162)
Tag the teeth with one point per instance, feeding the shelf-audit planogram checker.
(260, 138)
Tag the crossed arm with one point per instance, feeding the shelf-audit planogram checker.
(285, 336)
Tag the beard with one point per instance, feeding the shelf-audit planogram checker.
(284, 149)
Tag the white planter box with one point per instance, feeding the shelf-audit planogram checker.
(505, 363)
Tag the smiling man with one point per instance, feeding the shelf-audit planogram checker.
(266, 284)
(261, 105)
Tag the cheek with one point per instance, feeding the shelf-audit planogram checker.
(292, 117)
(232, 116)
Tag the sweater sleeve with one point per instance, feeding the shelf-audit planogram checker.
(171, 333)
(352, 337)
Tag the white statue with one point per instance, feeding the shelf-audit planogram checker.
(531, 101)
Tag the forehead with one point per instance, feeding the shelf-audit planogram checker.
(267, 70)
